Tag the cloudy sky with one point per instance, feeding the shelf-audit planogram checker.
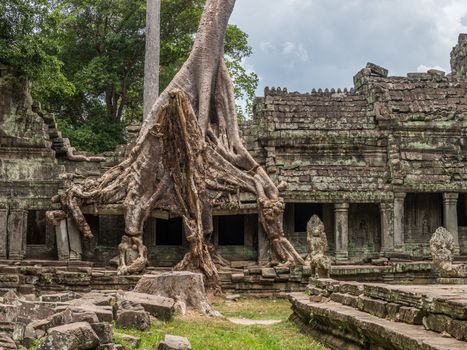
(305, 44)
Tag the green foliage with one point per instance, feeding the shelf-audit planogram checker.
(97, 134)
(86, 58)
(28, 44)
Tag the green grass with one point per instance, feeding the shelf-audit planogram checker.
(215, 333)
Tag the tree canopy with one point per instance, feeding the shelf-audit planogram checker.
(86, 58)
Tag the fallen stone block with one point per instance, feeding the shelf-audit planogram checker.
(134, 318)
(104, 332)
(160, 307)
(172, 342)
(103, 313)
(130, 340)
(73, 336)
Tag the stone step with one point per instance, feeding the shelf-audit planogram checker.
(441, 308)
(344, 327)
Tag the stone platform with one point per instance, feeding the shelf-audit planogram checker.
(37, 276)
(383, 316)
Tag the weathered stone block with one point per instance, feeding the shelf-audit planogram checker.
(353, 288)
(104, 332)
(268, 272)
(393, 311)
(74, 336)
(437, 323)
(238, 277)
(160, 307)
(132, 341)
(138, 319)
(350, 300)
(458, 329)
(372, 306)
(338, 298)
(172, 342)
(410, 315)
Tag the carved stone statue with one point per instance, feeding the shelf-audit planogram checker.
(441, 248)
(317, 246)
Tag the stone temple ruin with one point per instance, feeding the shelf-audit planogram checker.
(383, 165)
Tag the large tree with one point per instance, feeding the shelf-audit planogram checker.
(103, 50)
(188, 158)
(29, 46)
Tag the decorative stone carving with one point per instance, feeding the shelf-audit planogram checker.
(317, 246)
(442, 252)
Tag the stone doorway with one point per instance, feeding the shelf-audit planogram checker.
(364, 230)
(423, 215)
(296, 217)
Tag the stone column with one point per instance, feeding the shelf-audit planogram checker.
(3, 230)
(263, 245)
(16, 228)
(25, 234)
(450, 217)
(74, 240)
(341, 230)
(387, 228)
(399, 199)
(63, 245)
(289, 219)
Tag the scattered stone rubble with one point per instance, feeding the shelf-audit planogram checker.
(77, 321)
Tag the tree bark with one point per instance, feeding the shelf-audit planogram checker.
(188, 158)
(152, 56)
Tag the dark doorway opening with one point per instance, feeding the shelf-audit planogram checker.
(462, 210)
(37, 228)
(169, 232)
(303, 213)
(231, 230)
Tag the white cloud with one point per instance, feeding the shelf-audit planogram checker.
(341, 36)
(464, 20)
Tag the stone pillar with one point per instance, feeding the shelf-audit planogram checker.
(264, 246)
(341, 230)
(387, 228)
(3, 230)
(399, 199)
(16, 228)
(74, 240)
(25, 234)
(450, 217)
(289, 219)
(63, 245)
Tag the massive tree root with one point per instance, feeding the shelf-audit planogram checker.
(188, 158)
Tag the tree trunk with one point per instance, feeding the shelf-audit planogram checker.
(188, 158)
(152, 56)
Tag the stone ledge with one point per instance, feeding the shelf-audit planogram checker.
(360, 330)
